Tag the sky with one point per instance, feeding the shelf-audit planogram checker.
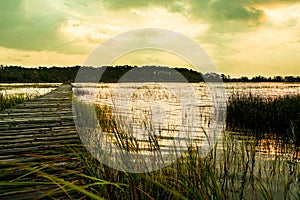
(242, 37)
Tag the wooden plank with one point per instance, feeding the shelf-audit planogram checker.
(40, 125)
(37, 106)
(45, 119)
(25, 114)
(37, 140)
(29, 136)
(21, 120)
(41, 130)
(14, 110)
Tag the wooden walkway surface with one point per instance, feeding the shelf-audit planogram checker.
(37, 134)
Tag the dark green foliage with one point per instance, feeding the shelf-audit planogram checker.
(13, 74)
(261, 79)
(280, 115)
(16, 74)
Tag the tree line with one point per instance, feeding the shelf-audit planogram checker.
(125, 73)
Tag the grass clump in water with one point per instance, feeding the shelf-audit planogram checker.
(279, 115)
(8, 101)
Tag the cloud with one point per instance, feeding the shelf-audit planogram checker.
(205, 9)
(37, 25)
(224, 16)
(151, 57)
(30, 25)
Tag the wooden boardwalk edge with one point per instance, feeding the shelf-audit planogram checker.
(35, 133)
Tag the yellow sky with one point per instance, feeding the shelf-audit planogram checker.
(242, 37)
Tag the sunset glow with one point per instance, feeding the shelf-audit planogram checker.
(241, 37)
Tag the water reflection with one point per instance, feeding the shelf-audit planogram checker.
(32, 89)
(158, 108)
(269, 147)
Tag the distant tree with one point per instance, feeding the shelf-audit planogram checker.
(114, 74)
(289, 79)
(278, 78)
(244, 79)
(213, 77)
(259, 79)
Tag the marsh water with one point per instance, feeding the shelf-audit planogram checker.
(31, 89)
(181, 114)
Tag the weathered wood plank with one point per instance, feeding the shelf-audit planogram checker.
(21, 120)
(40, 125)
(38, 106)
(37, 140)
(33, 114)
(41, 130)
(14, 110)
(27, 136)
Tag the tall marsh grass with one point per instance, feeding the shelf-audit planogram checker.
(8, 101)
(259, 115)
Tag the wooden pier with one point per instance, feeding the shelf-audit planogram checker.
(36, 137)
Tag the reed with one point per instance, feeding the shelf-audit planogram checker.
(258, 115)
(8, 101)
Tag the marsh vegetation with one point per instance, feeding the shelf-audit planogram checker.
(279, 116)
(9, 101)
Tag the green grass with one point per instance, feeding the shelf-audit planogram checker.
(8, 101)
(258, 115)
